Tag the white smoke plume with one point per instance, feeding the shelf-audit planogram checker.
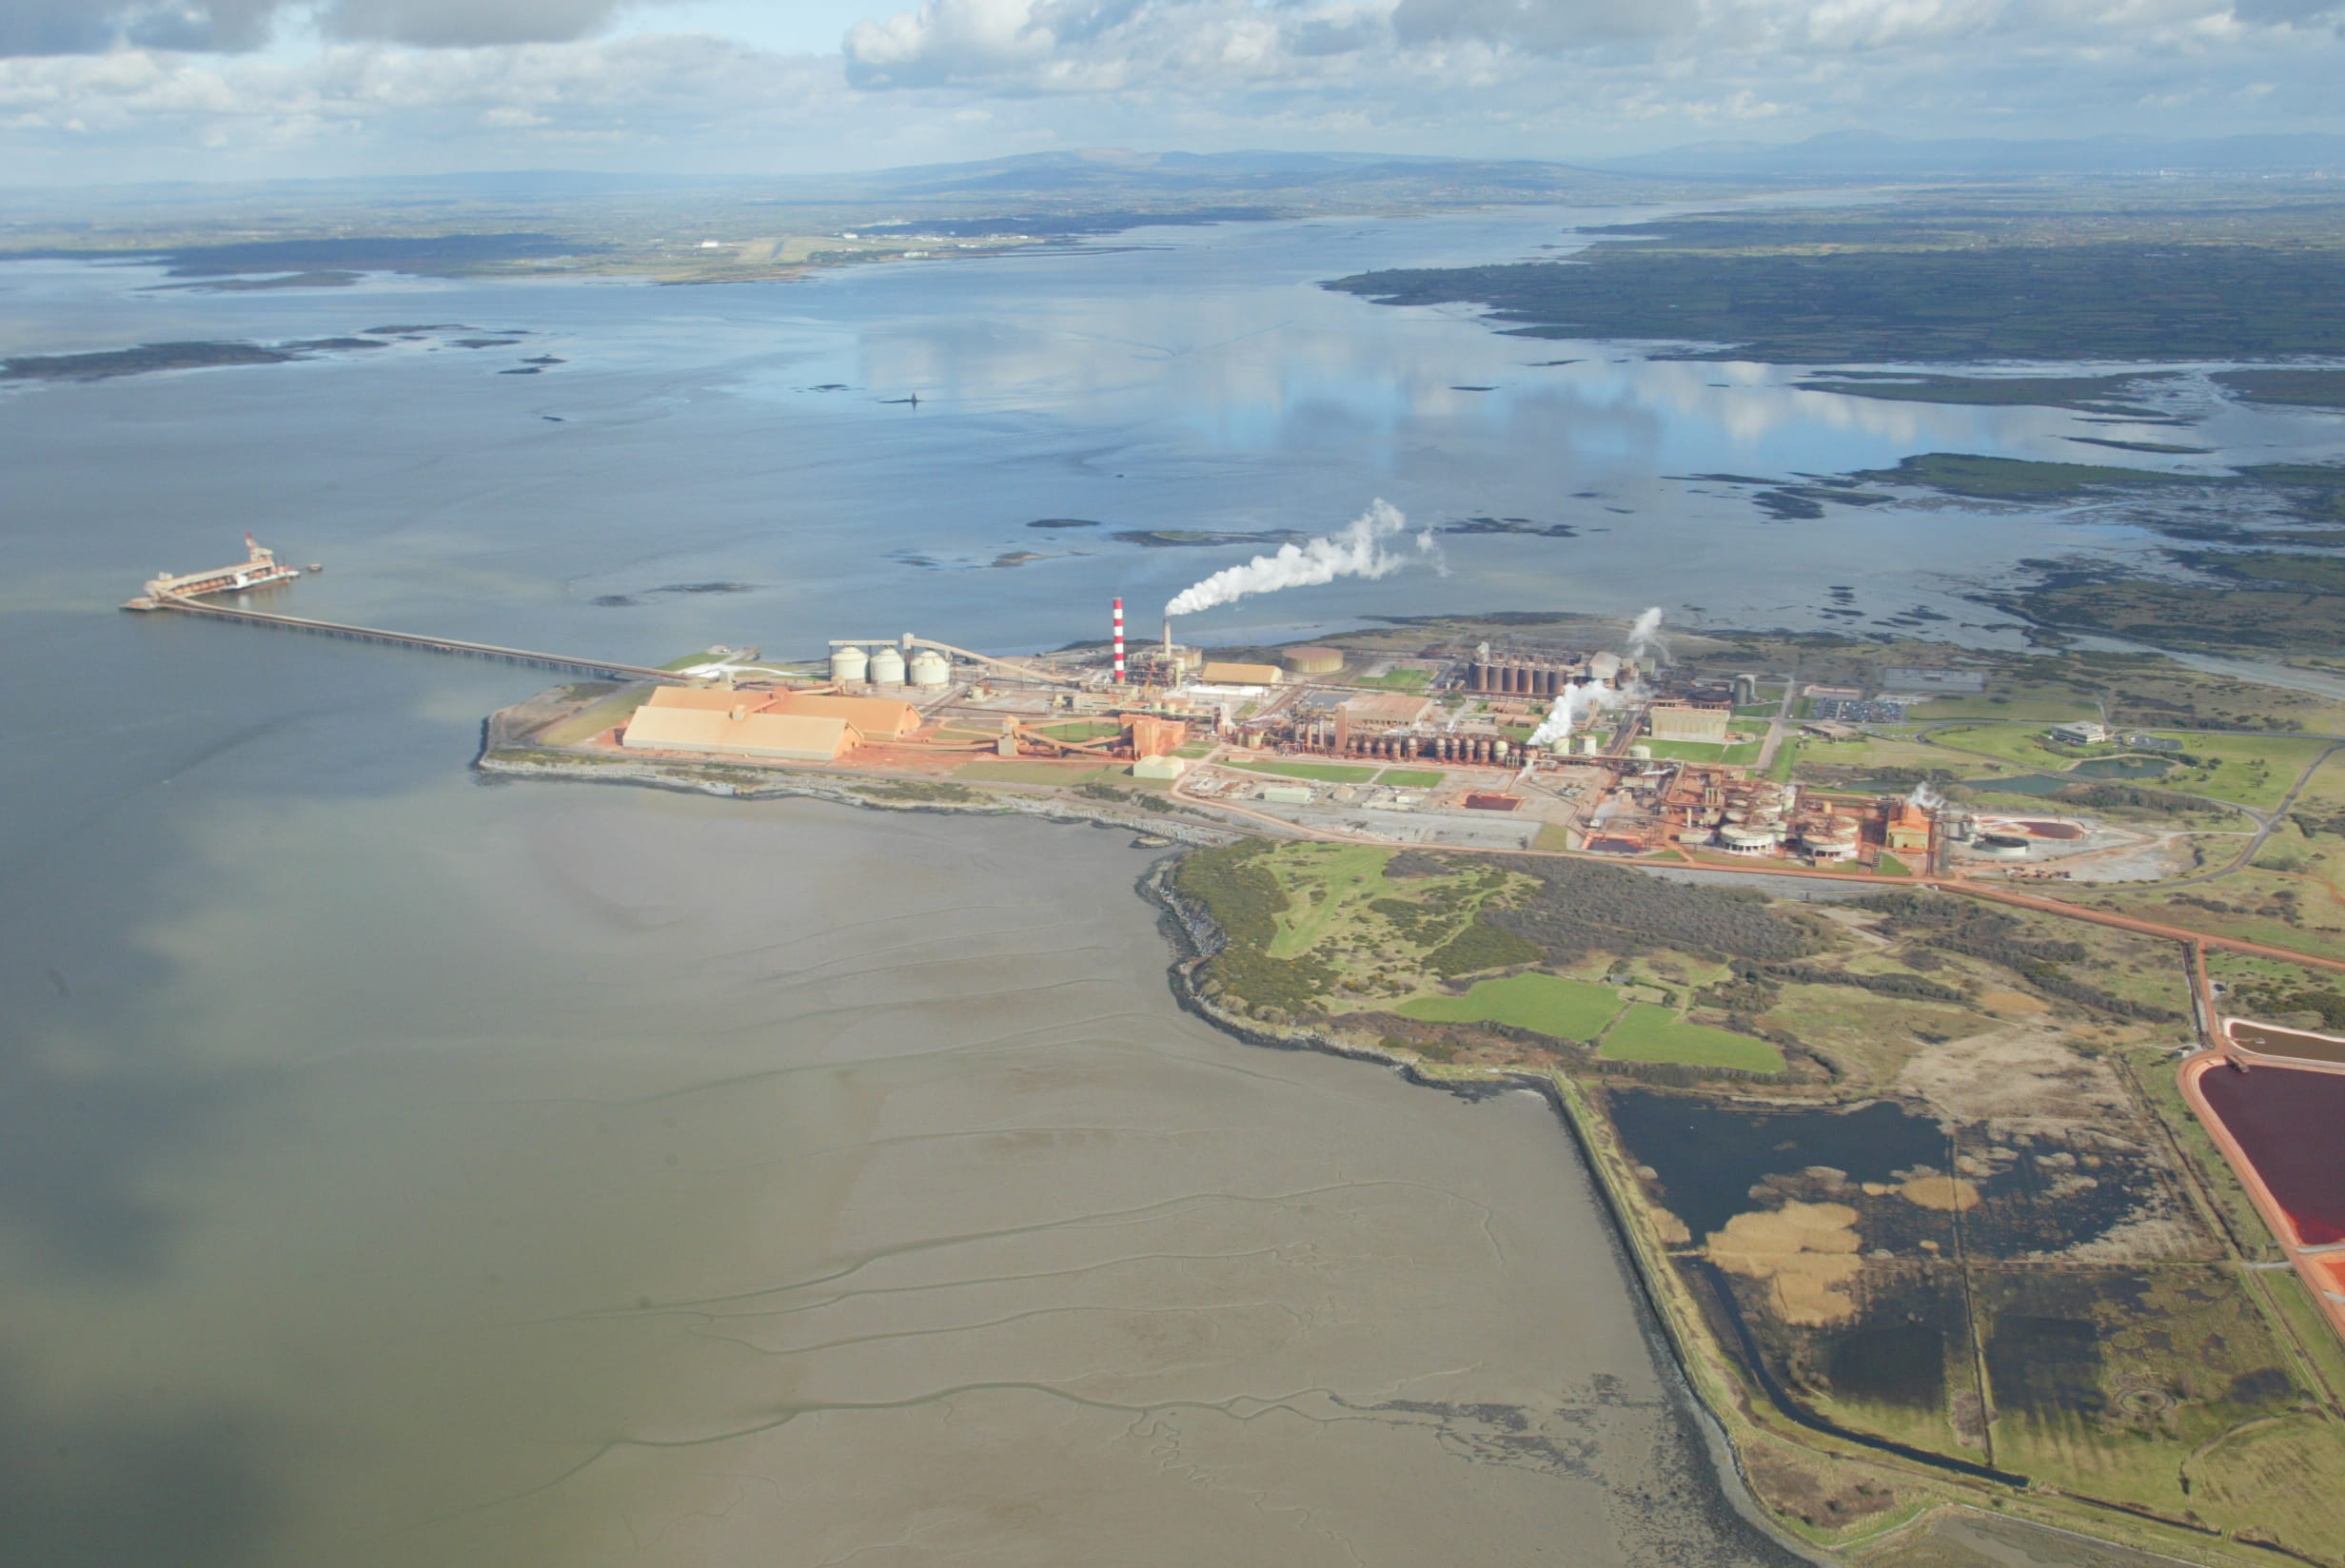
(1571, 703)
(1645, 637)
(1926, 797)
(1360, 549)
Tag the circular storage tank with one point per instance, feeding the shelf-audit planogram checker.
(1315, 661)
(887, 668)
(849, 664)
(1640, 752)
(930, 669)
(2003, 846)
(1749, 840)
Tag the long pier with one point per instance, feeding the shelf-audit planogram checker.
(607, 668)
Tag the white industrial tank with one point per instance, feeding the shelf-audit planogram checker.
(931, 668)
(887, 668)
(849, 664)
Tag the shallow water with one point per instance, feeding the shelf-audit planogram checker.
(478, 1175)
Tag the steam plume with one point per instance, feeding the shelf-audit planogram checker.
(1571, 703)
(1644, 635)
(1926, 797)
(1359, 550)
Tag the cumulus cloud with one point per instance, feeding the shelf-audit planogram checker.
(116, 88)
(444, 24)
(89, 27)
(1113, 45)
(86, 27)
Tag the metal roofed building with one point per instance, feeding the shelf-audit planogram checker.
(1220, 673)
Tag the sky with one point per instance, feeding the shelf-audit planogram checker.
(129, 90)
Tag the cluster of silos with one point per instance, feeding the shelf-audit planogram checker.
(884, 665)
(1523, 676)
(1403, 747)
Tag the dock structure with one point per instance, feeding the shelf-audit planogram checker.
(608, 669)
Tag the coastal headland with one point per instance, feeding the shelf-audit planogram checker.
(1864, 1011)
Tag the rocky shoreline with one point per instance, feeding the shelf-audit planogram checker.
(744, 784)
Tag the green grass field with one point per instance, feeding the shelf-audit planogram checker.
(1320, 880)
(2020, 710)
(1744, 753)
(1568, 1010)
(589, 722)
(1408, 778)
(1889, 865)
(1081, 730)
(1398, 680)
(1650, 1034)
(1325, 773)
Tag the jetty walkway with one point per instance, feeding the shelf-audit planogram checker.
(606, 668)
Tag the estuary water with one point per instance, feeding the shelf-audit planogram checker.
(400, 1169)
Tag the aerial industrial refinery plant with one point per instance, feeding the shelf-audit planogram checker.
(1494, 744)
(1489, 743)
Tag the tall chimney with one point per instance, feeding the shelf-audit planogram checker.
(1120, 642)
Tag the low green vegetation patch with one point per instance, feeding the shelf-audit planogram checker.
(1481, 946)
(1397, 681)
(1741, 752)
(1545, 1004)
(1650, 1033)
(2032, 294)
(2320, 574)
(2302, 388)
(920, 790)
(1408, 778)
(1324, 773)
(1081, 730)
(2087, 394)
(2016, 479)
(1582, 907)
(589, 722)
(2188, 616)
(1007, 771)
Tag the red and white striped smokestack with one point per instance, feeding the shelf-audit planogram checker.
(1120, 642)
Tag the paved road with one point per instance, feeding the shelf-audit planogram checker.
(2264, 825)
(1775, 725)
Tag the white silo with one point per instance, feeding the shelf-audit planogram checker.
(930, 669)
(887, 667)
(849, 664)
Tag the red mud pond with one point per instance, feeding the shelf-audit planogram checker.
(2289, 1121)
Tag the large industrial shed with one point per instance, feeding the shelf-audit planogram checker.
(883, 718)
(737, 731)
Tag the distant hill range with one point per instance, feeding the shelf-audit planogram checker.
(1858, 154)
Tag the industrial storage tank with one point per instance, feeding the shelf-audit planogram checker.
(1738, 839)
(887, 668)
(931, 668)
(849, 664)
(1315, 661)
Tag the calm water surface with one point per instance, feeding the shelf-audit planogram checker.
(397, 1169)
